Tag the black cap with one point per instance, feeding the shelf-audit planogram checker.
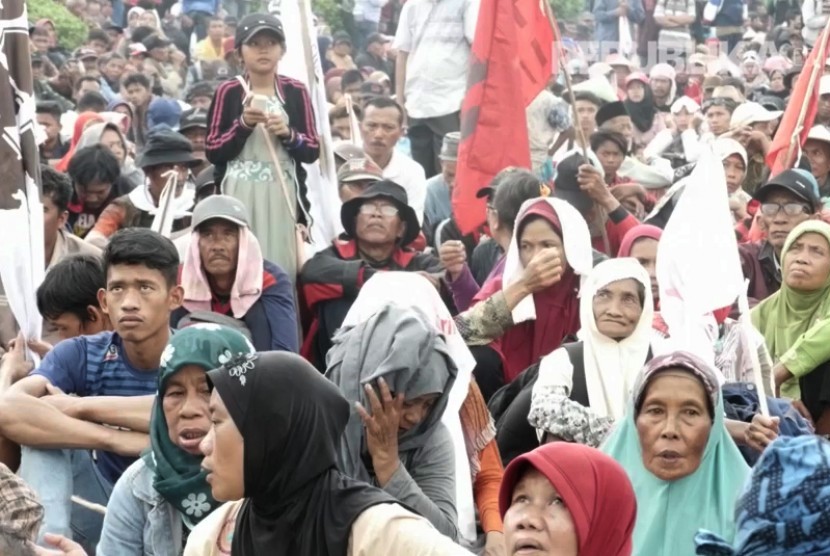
(372, 88)
(155, 41)
(37, 58)
(793, 181)
(388, 190)
(193, 118)
(199, 89)
(165, 146)
(566, 186)
(252, 24)
(205, 178)
(609, 111)
(341, 36)
(110, 26)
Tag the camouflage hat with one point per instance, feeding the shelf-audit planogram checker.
(359, 169)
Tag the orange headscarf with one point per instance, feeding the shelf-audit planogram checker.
(84, 119)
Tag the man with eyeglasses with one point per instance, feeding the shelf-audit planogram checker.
(379, 226)
(786, 200)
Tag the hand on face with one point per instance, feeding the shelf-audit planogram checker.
(382, 426)
(544, 270)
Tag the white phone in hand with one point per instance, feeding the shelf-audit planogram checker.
(260, 102)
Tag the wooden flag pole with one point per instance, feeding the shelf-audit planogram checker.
(600, 216)
(749, 343)
(819, 63)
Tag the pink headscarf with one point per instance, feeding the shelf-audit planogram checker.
(247, 287)
(638, 232)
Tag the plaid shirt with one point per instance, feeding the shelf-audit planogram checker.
(20, 510)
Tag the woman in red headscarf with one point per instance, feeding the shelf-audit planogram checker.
(549, 228)
(640, 242)
(566, 499)
(84, 120)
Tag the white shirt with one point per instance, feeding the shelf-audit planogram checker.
(438, 35)
(410, 175)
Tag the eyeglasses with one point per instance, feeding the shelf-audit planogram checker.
(790, 209)
(384, 210)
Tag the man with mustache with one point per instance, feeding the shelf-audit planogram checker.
(225, 274)
(380, 226)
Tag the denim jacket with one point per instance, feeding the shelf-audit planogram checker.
(139, 522)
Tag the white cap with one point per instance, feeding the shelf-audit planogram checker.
(824, 85)
(599, 69)
(819, 133)
(598, 86)
(726, 146)
(749, 113)
(685, 102)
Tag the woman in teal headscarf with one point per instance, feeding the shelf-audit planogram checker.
(794, 321)
(686, 471)
(163, 495)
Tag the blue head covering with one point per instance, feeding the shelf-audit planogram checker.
(669, 513)
(785, 510)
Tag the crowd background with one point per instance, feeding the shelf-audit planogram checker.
(327, 280)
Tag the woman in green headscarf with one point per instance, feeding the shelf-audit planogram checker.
(163, 495)
(686, 471)
(794, 322)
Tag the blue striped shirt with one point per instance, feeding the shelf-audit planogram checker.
(97, 366)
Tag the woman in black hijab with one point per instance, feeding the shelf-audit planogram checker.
(643, 111)
(276, 430)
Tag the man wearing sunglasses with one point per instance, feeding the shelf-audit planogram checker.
(785, 201)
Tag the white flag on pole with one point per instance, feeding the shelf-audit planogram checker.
(301, 53)
(698, 267)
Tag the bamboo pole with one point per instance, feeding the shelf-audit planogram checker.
(600, 216)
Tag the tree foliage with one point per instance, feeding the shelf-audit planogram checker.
(72, 32)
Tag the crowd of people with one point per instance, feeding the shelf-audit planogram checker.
(212, 383)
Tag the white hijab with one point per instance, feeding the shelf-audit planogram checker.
(407, 289)
(575, 238)
(611, 367)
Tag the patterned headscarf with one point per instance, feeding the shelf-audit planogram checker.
(785, 510)
(179, 477)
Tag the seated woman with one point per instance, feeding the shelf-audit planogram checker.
(402, 447)
(295, 500)
(785, 507)
(582, 386)
(641, 243)
(566, 500)
(538, 323)
(466, 417)
(578, 391)
(794, 322)
(163, 495)
(686, 471)
(647, 120)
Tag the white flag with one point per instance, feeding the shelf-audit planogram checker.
(301, 52)
(698, 267)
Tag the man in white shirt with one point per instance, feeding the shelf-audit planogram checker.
(381, 128)
(433, 42)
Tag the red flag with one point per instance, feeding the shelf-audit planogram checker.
(804, 97)
(513, 46)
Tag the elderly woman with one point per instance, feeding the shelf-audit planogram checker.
(794, 322)
(582, 386)
(566, 500)
(785, 509)
(163, 495)
(294, 499)
(674, 446)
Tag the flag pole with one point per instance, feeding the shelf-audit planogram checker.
(822, 56)
(599, 212)
(746, 327)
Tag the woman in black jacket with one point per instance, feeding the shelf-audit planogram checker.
(260, 128)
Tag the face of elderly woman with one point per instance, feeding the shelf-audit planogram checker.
(185, 405)
(224, 452)
(617, 308)
(536, 235)
(807, 263)
(673, 424)
(537, 523)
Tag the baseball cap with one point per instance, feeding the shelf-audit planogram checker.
(793, 181)
(340, 37)
(377, 37)
(819, 133)
(193, 118)
(252, 24)
(372, 88)
(359, 169)
(155, 41)
(137, 49)
(346, 150)
(205, 178)
(85, 54)
(749, 113)
(223, 207)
